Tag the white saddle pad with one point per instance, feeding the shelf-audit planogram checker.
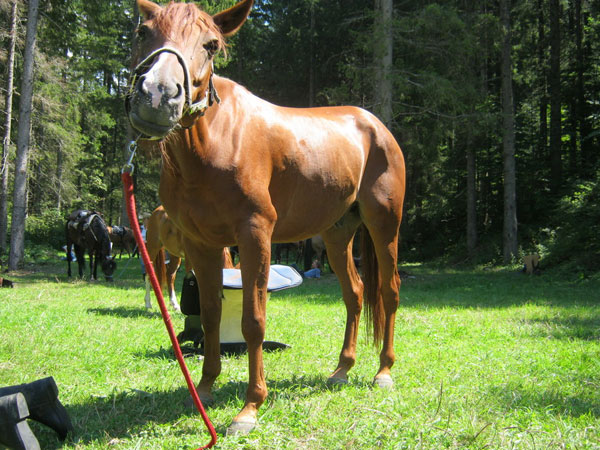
(280, 277)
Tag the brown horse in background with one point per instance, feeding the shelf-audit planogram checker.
(122, 238)
(238, 170)
(161, 234)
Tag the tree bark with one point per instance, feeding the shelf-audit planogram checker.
(17, 237)
(311, 66)
(471, 201)
(555, 99)
(510, 243)
(588, 153)
(383, 43)
(124, 217)
(7, 128)
(541, 157)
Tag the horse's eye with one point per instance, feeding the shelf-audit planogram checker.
(143, 32)
(212, 47)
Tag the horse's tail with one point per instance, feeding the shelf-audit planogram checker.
(160, 268)
(374, 313)
(227, 260)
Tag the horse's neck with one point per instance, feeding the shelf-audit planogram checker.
(191, 148)
(101, 234)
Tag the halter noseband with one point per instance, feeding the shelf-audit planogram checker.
(190, 108)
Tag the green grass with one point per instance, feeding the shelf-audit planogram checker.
(485, 359)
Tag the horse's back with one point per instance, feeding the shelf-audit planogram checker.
(313, 161)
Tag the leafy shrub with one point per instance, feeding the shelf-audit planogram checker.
(576, 241)
(47, 229)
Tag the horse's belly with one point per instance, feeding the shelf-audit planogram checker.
(311, 213)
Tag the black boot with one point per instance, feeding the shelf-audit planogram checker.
(14, 430)
(43, 403)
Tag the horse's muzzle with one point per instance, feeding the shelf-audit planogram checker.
(154, 121)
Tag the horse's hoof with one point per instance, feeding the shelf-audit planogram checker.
(240, 428)
(383, 381)
(336, 381)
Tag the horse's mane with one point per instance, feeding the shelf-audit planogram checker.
(189, 14)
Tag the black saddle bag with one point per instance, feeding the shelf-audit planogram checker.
(190, 303)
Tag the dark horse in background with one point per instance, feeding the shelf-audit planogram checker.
(86, 230)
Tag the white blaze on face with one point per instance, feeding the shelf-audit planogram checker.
(159, 77)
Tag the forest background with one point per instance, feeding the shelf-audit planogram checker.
(494, 103)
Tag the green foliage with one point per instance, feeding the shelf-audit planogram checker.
(46, 229)
(446, 101)
(576, 239)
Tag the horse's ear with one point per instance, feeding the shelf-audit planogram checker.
(230, 20)
(148, 9)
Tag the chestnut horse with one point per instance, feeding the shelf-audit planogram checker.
(238, 170)
(161, 234)
(122, 238)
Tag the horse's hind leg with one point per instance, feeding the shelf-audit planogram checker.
(384, 235)
(338, 241)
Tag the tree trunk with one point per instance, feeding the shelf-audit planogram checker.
(541, 157)
(588, 153)
(7, 128)
(471, 201)
(60, 168)
(510, 244)
(17, 237)
(383, 43)
(124, 217)
(311, 66)
(555, 99)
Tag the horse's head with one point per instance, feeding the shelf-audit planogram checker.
(173, 63)
(109, 265)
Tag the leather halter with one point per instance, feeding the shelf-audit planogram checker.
(198, 108)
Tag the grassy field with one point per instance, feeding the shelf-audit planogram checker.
(485, 359)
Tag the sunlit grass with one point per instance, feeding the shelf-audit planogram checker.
(485, 359)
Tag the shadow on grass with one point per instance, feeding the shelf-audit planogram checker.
(228, 350)
(503, 289)
(586, 329)
(126, 312)
(122, 414)
(547, 402)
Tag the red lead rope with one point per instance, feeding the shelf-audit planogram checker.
(131, 212)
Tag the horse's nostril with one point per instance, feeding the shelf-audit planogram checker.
(140, 85)
(179, 91)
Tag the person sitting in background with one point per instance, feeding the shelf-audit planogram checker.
(73, 257)
(315, 270)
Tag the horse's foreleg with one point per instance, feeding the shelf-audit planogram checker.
(207, 265)
(69, 246)
(255, 257)
(172, 267)
(339, 244)
(80, 254)
(93, 265)
(148, 298)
